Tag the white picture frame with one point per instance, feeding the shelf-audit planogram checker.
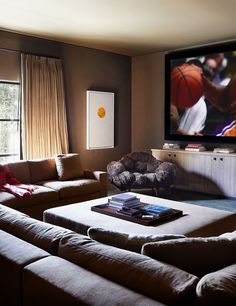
(100, 120)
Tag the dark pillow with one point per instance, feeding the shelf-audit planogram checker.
(140, 156)
(128, 163)
(140, 166)
(42, 169)
(218, 288)
(132, 242)
(69, 167)
(198, 256)
(21, 171)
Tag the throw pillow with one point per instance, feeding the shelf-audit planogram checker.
(128, 163)
(68, 167)
(42, 169)
(132, 242)
(198, 256)
(218, 288)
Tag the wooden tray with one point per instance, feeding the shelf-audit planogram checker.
(106, 210)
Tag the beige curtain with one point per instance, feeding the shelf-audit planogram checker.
(44, 113)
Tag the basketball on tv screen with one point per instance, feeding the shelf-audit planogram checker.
(200, 94)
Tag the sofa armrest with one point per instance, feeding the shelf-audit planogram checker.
(100, 176)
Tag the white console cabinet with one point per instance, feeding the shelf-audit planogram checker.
(209, 172)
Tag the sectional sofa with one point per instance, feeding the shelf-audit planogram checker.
(43, 264)
(60, 180)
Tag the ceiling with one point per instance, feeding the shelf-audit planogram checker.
(130, 27)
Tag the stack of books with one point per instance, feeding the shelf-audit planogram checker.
(224, 150)
(170, 146)
(195, 147)
(124, 201)
(156, 210)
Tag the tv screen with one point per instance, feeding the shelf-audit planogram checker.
(200, 94)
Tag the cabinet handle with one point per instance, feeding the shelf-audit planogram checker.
(174, 155)
(169, 155)
(214, 158)
(221, 158)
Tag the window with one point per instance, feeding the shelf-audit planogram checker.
(10, 121)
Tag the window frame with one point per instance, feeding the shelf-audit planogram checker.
(15, 120)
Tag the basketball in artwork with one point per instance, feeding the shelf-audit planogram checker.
(100, 120)
(186, 85)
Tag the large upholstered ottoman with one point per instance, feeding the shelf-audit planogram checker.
(196, 220)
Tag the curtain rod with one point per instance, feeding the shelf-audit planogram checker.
(36, 54)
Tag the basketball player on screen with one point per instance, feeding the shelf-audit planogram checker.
(223, 98)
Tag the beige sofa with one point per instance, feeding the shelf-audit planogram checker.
(43, 264)
(60, 181)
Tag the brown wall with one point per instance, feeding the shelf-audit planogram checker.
(85, 69)
(97, 70)
(147, 101)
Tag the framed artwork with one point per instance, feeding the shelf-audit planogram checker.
(100, 120)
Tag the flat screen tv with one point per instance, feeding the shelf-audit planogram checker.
(200, 94)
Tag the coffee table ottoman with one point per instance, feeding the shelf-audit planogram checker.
(196, 220)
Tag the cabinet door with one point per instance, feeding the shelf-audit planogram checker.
(208, 172)
(178, 159)
(194, 164)
(223, 174)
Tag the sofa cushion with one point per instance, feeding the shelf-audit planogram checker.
(7, 215)
(69, 167)
(132, 242)
(55, 281)
(21, 171)
(74, 188)
(42, 169)
(218, 288)
(43, 235)
(15, 254)
(142, 274)
(195, 255)
(40, 195)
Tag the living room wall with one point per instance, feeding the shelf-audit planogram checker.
(147, 101)
(84, 69)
